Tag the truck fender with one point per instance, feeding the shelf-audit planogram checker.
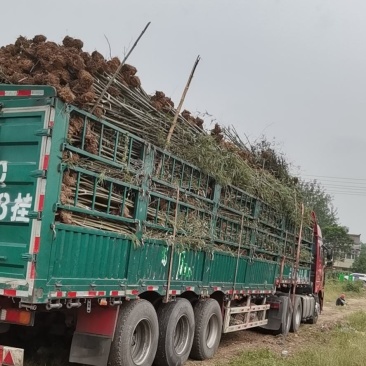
(277, 313)
(93, 335)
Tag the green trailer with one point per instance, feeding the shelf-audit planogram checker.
(149, 255)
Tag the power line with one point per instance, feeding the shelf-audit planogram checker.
(344, 186)
(343, 189)
(347, 193)
(337, 181)
(350, 187)
(327, 176)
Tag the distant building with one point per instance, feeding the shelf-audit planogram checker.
(346, 263)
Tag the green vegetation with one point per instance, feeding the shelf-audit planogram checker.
(359, 264)
(353, 286)
(316, 198)
(234, 164)
(334, 288)
(336, 237)
(344, 345)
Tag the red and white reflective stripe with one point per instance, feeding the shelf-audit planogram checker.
(21, 93)
(189, 288)
(36, 245)
(32, 274)
(40, 203)
(217, 288)
(284, 281)
(33, 249)
(174, 292)
(117, 293)
(76, 294)
(58, 294)
(47, 150)
(152, 288)
(299, 281)
(10, 356)
(132, 292)
(46, 159)
(249, 292)
(13, 293)
(35, 241)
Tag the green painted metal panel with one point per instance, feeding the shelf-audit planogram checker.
(88, 255)
(302, 274)
(242, 271)
(150, 264)
(261, 273)
(20, 148)
(188, 266)
(222, 269)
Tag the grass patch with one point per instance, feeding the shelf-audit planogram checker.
(344, 345)
(353, 286)
(334, 287)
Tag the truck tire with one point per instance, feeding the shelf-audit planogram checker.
(136, 336)
(207, 334)
(296, 315)
(176, 331)
(314, 318)
(286, 318)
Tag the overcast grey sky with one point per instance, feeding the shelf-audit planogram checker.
(293, 70)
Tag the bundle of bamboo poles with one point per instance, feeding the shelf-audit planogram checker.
(90, 82)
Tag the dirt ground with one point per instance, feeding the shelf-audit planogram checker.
(232, 344)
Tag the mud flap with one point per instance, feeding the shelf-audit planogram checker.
(277, 314)
(90, 349)
(91, 342)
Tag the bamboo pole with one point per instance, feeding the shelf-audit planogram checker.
(177, 112)
(296, 267)
(119, 69)
(238, 255)
(170, 269)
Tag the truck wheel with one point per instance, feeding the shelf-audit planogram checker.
(136, 337)
(287, 317)
(315, 317)
(207, 335)
(176, 330)
(296, 315)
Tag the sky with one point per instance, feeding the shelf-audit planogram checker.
(293, 70)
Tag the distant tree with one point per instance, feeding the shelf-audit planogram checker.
(318, 200)
(359, 265)
(336, 237)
